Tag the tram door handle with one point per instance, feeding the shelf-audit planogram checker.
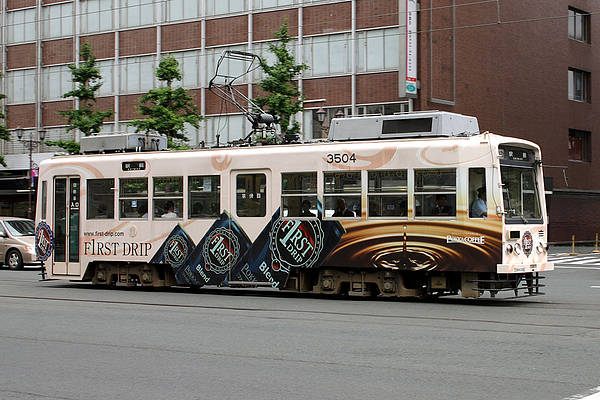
(499, 211)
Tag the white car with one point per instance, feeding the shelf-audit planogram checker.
(17, 242)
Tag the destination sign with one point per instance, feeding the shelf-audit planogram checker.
(133, 165)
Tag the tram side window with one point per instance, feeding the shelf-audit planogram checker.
(204, 196)
(250, 193)
(100, 199)
(299, 194)
(435, 192)
(44, 198)
(388, 193)
(167, 197)
(342, 194)
(477, 193)
(133, 198)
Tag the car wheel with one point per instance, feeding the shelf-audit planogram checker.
(14, 260)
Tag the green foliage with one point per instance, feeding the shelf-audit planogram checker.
(283, 99)
(167, 109)
(87, 78)
(71, 146)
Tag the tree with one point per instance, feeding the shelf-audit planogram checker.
(4, 133)
(283, 99)
(166, 108)
(85, 118)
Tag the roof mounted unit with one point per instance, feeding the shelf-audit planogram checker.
(122, 142)
(409, 125)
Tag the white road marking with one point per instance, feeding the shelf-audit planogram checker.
(597, 268)
(594, 396)
(595, 287)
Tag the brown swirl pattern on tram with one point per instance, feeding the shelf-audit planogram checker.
(419, 246)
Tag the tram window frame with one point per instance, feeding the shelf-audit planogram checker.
(258, 209)
(294, 198)
(427, 194)
(206, 199)
(477, 191)
(162, 200)
(44, 198)
(333, 195)
(380, 195)
(137, 200)
(99, 209)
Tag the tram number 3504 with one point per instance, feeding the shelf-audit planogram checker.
(344, 158)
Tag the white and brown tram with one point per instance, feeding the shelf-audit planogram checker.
(407, 205)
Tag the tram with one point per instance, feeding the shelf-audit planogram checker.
(412, 205)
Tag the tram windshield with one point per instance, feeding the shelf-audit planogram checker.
(520, 194)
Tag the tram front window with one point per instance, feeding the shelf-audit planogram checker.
(520, 195)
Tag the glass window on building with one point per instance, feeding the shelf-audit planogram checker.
(387, 193)
(327, 54)
(217, 7)
(20, 25)
(96, 15)
(272, 3)
(136, 13)
(342, 194)
(183, 9)
(580, 148)
(106, 71)
(56, 81)
(100, 199)
(228, 127)
(57, 20)
(204, 196)
(579, 83)
(251, 199)
(21, 86)
(189, 65)
(137, 74)
(133, 198)
(379, 49)
(167, 199)
(435, 193)
(579, 25)
(299, 194)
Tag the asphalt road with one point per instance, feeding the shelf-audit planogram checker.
(62, 340)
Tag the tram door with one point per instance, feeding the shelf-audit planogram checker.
(250, 203)
(66, 226)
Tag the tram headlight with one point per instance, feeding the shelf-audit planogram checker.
(517, 249)
(509, 248)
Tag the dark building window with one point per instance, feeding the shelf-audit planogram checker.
(579, 25)
(579, 83)
(579, 145)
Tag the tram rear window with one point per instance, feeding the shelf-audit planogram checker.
(100, 199)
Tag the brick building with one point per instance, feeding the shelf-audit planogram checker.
(522, 69)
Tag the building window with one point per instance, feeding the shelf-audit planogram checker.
(21, 25)
(183, 9)
(137, 74)
(342, 194)
(167, 198)
(133, 198)
(21, 86)
(579, 145)
(136, 13)
(100, 199)
(579, 25)
(251, 199)
(388, 193)
(216, 7)
(579, 83)
(58, 20)
(435, 193)
(378, 49)
(327, 54)
(299, 194)
(56, 81)
(96, 15)
(204, 196)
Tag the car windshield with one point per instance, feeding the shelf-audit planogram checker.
(520, 193)
(20, 227)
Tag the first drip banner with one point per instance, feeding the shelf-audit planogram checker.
(225, 253)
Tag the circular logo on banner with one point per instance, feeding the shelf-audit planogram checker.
(296, 243)
(176, 251)
(527, 243)
(44, 241)
(220, 251)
